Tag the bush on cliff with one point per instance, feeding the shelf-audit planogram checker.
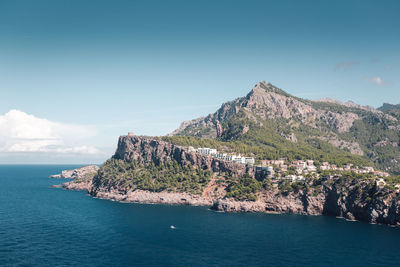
(170, 176)
(244, 188)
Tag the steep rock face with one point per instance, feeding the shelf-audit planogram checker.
(147, 150)
(346, 200)
(360, 201)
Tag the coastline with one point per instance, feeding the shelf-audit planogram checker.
(266, 204)
(360, 200)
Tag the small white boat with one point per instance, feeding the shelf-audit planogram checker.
(172, 227)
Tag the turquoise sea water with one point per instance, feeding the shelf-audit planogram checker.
(43, 226)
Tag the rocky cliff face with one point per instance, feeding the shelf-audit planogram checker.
(348, 198)
(352, 200)
(148, 150)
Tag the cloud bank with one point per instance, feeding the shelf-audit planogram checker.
(22, 132)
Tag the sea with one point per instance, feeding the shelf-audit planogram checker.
(44, 226)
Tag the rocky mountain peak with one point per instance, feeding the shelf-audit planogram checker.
(314, 123)
(264, 93)
(263, 87)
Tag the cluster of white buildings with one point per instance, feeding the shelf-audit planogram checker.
(224, 156)
(349, 167)
(325, 166)
(304, 166)
(301, 167)
(294, 178)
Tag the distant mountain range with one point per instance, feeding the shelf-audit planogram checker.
(268, 122)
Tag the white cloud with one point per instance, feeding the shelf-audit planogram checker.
(377, 80)
(22, 132)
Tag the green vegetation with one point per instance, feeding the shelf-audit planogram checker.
(369, 132)
(170, 176)
(264, 142)
(86, 177)
(244, 188)
(285, 187)
(256, 131)
(392, 181)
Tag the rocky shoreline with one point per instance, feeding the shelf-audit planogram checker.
(177, 198)
(138, 196)
(383, 212)
(147, 197)
(352, 199)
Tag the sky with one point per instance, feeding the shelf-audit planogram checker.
(76, 74)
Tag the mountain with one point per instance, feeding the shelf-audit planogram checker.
(393, 110)
(273, 123)
(267, 123)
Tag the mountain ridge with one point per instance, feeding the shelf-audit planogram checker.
(360, 130)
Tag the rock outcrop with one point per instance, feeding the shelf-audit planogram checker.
(78, 173)
(140, 196)
(149, 150)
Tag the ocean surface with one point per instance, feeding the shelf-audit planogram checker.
(43, 226)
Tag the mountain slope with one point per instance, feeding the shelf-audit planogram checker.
(274, 120)
(393, 110)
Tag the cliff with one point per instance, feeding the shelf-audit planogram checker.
(147, 151)
(349, 199)
(118, 179)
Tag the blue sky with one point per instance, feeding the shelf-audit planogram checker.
(110, 67)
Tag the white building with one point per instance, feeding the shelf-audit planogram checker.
(291, 178)
(369, 169)
(311, 168)
(324, 167)
(222, 156)
(239, 159)
(249, 160)
(207, 151)
(214, 153)
(380, 182)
